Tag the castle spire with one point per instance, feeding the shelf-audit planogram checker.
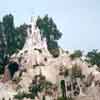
(33, 24)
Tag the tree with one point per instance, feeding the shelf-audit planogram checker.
(93, 57)
(11, 38)
(76, 54)
(8, 24)
(2, 48)
(21, 35)
(63, 88)
(49, 30)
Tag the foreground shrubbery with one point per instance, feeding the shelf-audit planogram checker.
(66, 98)
(22, 95)
(35, 88)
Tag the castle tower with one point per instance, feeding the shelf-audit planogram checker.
(34, 38)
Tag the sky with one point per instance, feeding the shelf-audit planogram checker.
(78, 20)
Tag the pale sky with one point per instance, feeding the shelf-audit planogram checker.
(78, 20)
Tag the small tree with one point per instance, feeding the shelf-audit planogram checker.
(76, 72)
(63, 88)
(93, 57)
(53, 48)
(76, 54)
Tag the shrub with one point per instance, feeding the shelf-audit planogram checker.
(93, 57)
(76, 71)
(35, 88)
(76, 54)
(66, 73)
(54, 52)
(1, 69)
(22, 95)
(63, 88)
(67, 98)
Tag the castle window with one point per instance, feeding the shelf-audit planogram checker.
(45, 59)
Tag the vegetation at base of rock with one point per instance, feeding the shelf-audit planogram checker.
(22, 95)
(54, 51)
(1, 69)
(35, 88)
(67, 98)
(63, 88)
(39, 86)
(76, 72)
(76, 54)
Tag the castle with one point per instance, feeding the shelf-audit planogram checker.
(34, 39)
(35, 61)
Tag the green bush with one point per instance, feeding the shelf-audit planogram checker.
(34, 89)
(67, 98)
(22, 95)
(66, 73)
(54, 51)
(1, 69)
(93, 57)
(76, 54)
(50, 31)
(63, 88)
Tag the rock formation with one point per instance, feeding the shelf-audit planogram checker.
(37, 65)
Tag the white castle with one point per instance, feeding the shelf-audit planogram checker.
(34, 39)
(34, 43)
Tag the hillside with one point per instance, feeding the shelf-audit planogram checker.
(34, 74)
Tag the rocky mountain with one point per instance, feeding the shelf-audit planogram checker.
(34, 74)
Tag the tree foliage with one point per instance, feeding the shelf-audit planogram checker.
(21, 35)
(76, 54)
(63, 88)
(11, 38)
(94, 57)
(49, 30)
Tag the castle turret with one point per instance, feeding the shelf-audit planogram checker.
(34, 38)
